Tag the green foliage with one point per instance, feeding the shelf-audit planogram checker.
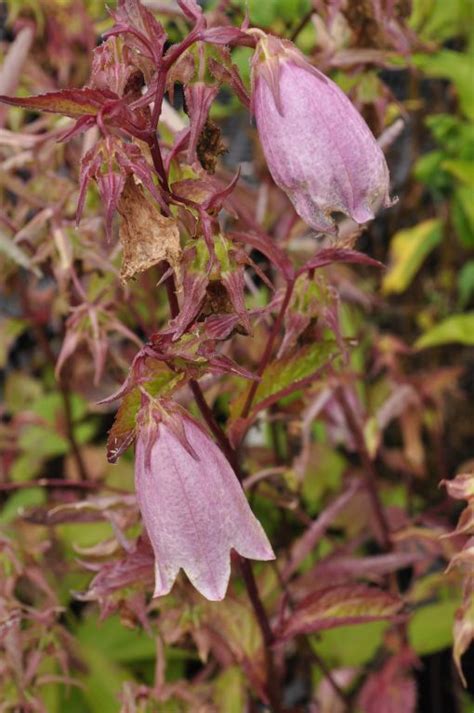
(456, 329)
(430, 627)
(408, 249)
(285, 373)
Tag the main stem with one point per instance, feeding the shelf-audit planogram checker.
(273, 687)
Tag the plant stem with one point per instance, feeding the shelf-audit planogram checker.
(268, 348)
(43, 341)
(369, 474)
(245, 566)
(273, 683)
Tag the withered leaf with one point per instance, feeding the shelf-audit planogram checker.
(210, 146)
(147, 236)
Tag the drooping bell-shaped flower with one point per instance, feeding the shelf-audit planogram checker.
(318, 148)
(192, 505)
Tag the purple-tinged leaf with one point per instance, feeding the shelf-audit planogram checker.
(227, 36)
(69, 102)
(221, 364)
(304, 546)
(191, 10)
(114, 68)
(463, 629)
(339, 606)
(461, 487)
(144, 32)
(135, 568)
(193, 292)
(109, 163)
(358, 567)
(199, 97)
(227, 73)
(234, 283)
(269, 248)
(220, 326)
(392, 689)
(328, 256)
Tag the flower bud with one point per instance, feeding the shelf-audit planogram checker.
(318, 148)
(192, 505)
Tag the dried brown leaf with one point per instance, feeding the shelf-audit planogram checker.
(147, 236)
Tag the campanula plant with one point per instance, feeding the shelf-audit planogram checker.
(215, 449)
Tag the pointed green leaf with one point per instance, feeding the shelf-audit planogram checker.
(282, 376)
(408, 250)
(458, 328)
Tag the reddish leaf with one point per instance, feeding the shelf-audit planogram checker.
(316, 530)
(328, 256)
(269, 248)
(392, 689)
(463, 629)
(69, 102)
(199, 98)
(134, 568)
(227, 36)
(339, 606)
(144, 32)
(461, 487)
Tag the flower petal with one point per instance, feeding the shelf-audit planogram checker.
(195, 511)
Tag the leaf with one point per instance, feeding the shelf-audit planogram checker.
(10, 330)
(147, 236)
(464, 627)
(408, 249)
(19, 501)
(430, 627)
(329, 256)
(392, 688)
(122, 433)
(454, 66)
(336, 606)
(229, 694)
(354, 645)
(466, 283)
(463, 215)
(458, 328)
(69, 102)
(116, 642)
(434, 20)
(463, 170)
(303, 546)
(461, 487)
(9, 248)
(287, 372)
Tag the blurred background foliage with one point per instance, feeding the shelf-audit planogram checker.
(414, 325)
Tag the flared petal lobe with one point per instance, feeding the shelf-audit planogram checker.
(318, 148)
(194, 510)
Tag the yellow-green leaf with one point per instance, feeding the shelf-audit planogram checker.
(282, 374)
(408, 250)
(458, 328)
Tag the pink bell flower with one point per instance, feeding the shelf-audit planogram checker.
(317, 146)
(192, 505)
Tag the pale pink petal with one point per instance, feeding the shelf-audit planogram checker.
(194, 511)
(318, 148)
